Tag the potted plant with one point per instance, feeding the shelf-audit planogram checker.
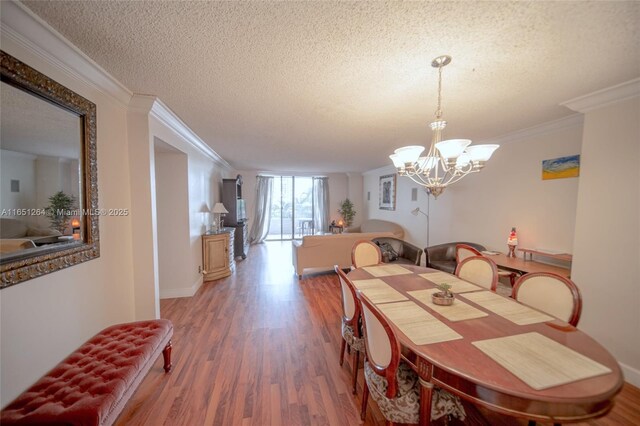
(60, 210)
(347, 212)
(444, 296)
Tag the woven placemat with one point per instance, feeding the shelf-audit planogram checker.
(386, 270)
(457, 285)
(378, 291)
(458, 311)
(507, 308)
(418, 324)
(539, 361)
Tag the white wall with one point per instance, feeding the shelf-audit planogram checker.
(607, 242)
(19, 166)
(172, 209)
(204, 182)
(415, 227)
(44, 319)
(484, 206)
(354, 192)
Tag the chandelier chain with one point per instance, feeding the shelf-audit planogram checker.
(439, 109)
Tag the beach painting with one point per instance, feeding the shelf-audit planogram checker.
(560, 168)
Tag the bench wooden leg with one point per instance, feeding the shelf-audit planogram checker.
(166, 354)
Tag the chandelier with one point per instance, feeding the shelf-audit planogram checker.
(447, 161)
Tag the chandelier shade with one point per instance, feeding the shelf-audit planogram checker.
(446, 162)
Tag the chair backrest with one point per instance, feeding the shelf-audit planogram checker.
(350, 304)
(479, 270)
(550, 293)
(365, 253)
(464, 250)
(381, 345)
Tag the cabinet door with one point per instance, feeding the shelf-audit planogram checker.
(216, 254)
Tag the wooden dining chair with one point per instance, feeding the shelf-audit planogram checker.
(365, 253)
(350, 330)
(479, 270)
(550, 293)
(393, 385)
(464, 250)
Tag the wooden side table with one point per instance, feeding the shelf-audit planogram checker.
(218, 260)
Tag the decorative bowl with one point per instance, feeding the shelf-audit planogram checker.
(442, 299)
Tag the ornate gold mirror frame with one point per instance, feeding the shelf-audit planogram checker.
(44, 260)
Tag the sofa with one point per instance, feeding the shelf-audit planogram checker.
(15, 235)
(322, 252)
(407, 253)
(443, 256)
(377, 225)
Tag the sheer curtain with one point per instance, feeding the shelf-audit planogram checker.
(262, 215)
(321, 204)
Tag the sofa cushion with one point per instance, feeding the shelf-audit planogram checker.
(12, 228)
(376, 225)
(32, 231)
(444, 265)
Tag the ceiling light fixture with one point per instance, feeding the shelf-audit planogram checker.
(447, 161)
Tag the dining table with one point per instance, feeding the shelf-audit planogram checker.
(490, 350)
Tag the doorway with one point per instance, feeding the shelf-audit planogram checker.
(292, 208)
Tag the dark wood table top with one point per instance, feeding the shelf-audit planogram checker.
(465, 370)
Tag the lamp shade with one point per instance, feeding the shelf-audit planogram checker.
(204, 208)
(481, 152)
(409, 154)
(75, 222)
(397, 162)
(452, 148)
(219, 208)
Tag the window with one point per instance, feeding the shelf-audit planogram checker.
(291, 208)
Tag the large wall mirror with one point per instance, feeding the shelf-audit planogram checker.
(48, 175)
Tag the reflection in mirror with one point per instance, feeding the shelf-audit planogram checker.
(39, 163)
(48, 179)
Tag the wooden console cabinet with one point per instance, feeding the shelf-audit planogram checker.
(217, 254)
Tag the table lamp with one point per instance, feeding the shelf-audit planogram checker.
(218, 210)
(75, 228)
(512, 242)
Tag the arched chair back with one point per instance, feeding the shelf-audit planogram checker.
(479, 270)
(550, 293)
(365, 253)
(382, 346)
(464, 250)
(350, 304)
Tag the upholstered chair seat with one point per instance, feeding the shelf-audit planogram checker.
(405, 407)
(356, 343)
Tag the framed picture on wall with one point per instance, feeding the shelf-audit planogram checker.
(387, 200)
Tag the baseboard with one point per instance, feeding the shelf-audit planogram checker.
(631, 375)
(173, 293)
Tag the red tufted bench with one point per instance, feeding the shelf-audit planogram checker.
(93, 384)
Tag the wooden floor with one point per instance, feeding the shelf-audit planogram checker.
(261, 348)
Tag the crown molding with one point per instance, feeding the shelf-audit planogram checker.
(573, 120)
(26, 29)
(380, 170)
(146, 104)
(604, 97)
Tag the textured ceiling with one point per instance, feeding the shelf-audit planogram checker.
(325, 86)
(34, 126)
